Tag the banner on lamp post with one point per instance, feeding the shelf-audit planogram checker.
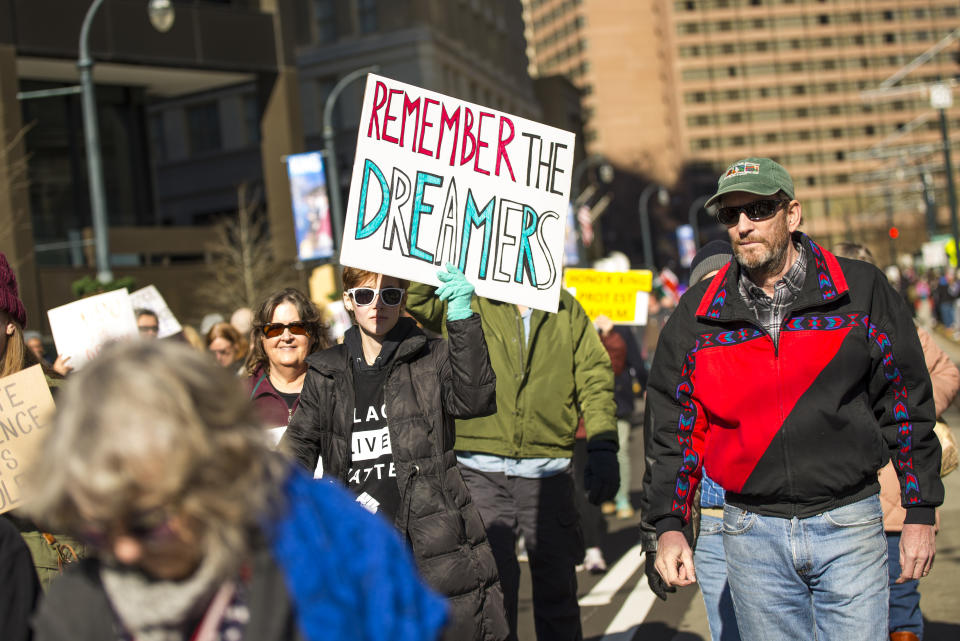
(311, 206)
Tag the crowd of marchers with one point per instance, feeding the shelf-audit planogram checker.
(263, 479)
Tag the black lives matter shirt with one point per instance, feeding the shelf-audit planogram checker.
(372, 475)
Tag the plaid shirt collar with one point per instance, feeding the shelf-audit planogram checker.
(771, 311)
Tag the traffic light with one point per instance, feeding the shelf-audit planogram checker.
(894, 233)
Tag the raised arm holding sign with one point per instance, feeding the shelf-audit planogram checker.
(80, 329)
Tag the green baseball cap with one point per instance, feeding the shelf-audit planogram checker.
(760, 176)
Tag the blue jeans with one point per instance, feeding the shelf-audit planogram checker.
(711, 565)
(905, 612)
(823, 577)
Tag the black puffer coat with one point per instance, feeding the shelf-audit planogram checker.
(430, 383)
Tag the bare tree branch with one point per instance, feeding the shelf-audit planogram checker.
(242, 270)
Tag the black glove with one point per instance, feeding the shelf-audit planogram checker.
(654, 580)
(601, 478)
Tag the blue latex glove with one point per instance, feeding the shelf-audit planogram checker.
(457, 291)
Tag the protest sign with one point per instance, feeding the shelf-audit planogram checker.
(620, 296)
(439, 180)
(25, 409)
(149, 298)
(311, 206)
(81, 329)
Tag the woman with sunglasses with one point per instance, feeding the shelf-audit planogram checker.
(287, 329)
(377, 414)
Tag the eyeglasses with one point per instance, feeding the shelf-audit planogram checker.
(149, 528)
(148, 329)
(756, 211)
(272, 330)
(363, 296)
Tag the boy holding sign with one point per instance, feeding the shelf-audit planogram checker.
(378, 413)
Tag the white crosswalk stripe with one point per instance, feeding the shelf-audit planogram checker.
(631, 615)
(615, 578)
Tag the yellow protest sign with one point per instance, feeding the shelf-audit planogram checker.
(25, 411)
(620, 296)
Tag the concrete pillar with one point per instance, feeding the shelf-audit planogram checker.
(16, 226)
(281, 129)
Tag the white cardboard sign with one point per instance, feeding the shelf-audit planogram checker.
(439, 180)
(80, 329)
(149, 298)
(26, 407)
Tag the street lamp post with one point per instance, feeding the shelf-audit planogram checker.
(606, 176)
(941, 98)
(329, 142)
(643, 206)
(694, 217)
(91, 135)
(594, 160)
(161, 14)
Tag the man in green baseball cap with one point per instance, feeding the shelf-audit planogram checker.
(751, 194)
(787, 378)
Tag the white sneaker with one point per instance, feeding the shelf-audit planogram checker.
(593, 561)
(522, 550)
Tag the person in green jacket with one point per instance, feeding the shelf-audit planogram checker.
(551, 369)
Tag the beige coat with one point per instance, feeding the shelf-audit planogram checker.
(946, 382)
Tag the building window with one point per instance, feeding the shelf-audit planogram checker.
(158, 140)
(367, 15)
(203, 127)
(251, 119)
(324, 21)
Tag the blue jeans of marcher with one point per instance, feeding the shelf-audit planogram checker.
(711, 566)
(823, 577)
(905, 612)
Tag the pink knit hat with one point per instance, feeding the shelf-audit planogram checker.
(9, 298)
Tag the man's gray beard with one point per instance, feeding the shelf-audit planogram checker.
(764, 265)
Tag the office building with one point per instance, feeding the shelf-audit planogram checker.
(674, 84)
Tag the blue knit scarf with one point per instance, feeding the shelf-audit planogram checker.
(348, 573)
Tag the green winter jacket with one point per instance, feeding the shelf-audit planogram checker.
(542, 387)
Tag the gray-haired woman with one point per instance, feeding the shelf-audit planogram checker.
(199, 530)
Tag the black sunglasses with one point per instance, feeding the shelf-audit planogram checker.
(756, 211)
(363, 296)
(272, 330)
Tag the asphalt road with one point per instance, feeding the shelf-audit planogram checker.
(618, 606)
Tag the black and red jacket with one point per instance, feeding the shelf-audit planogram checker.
(801, 427)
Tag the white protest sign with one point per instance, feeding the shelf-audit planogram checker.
(80, 329)
(439, 180)
(149, 298)
(25, 409)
